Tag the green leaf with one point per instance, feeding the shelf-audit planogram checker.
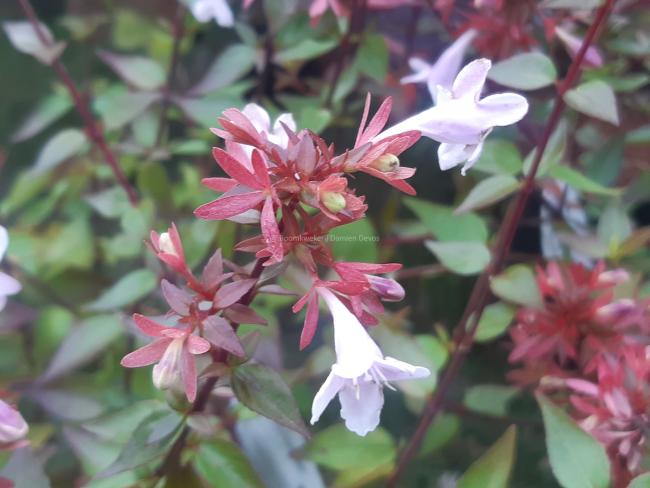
(614, 226)
(441, 431)
(595, 98)
(526, 71)
(490, 399)
(577, 459)
(233, 63)
(221, 463)
(356, 241)
(579, 181)
(339, 449)
(464, 258)
(500, 156)
(47, 111)
(129, 289)
(110, 203)
(117, 107)
(69, 246)
(23, 37)
(489, 191)
(305, 50)
(517, 284)
(137, 71)
(150, 441)
(372, 57)
(493, 469)
(494, 321)
(445, 225)
(59, 148)
(641, 135)
(118, 426)
(86, 341)
(552, 155)
(25, 470)
(264, 391)
(642, 481)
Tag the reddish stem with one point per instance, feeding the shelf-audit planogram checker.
(91, 126)
(481, 293)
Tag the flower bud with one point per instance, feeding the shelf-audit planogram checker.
(166, 245)
(386, 288)
(386, 163)
(12, 425)
(333, 201)
(613, 277)
(166, 373)
(617, 310)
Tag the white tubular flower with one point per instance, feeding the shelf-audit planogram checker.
(219, 10)
(360, 372)
(262, 122)
(8, 285)
(461, 120)
(444, 70)
(12, 425)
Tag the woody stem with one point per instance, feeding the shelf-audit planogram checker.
(468, 324)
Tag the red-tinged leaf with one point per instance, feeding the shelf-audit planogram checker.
(149, 354)
(276, 290)
(219, 184)
(213, 274)
(261, 170)
(174, 262)
(369, 268)
(176, 241)
(304, 155)
(148, 326)
(179, 300)
(400, 184)
(271, 232)
(378, 122)
(220, 333)
(188, 374)
(348, 287)
(241, 314)
(297, 307)
(235, 169)
(311, 322)
(364, 119)
(252, 244)
(226, 207)
(232, 292)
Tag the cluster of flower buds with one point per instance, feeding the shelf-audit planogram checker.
(585, 341)
(294, 187)
(205, 315)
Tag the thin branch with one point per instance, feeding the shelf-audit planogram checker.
(173, 457)
(91, 126)
(465, 329)
(178, 30)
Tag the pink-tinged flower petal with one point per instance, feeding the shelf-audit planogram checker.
(325, 394)
(361, 406)
(258, 117)
(188, 375)
(235, 169)
(219, 184)
(573, 44)
(271, 232)
(8, 285)
(4, 242)
(197, 345)
(220, 333)
(12, 424)
(471, 79)
(232, 292)
(179, 300)
(149, 354)
(148, 326)
(226, 207)
(503, 108)
(311, 322)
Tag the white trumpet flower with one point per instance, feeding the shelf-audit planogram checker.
(360, 373)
